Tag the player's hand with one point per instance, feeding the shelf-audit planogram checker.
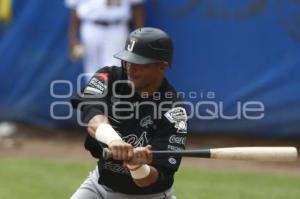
(141, 155)
(120, 150)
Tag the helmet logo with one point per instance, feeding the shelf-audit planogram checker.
(131, 44)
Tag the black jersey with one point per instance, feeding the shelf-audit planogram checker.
(159, 120)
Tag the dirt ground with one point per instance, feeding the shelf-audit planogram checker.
(67, 144)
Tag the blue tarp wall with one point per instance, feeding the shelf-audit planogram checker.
(230, 56)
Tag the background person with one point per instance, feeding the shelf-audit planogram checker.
(103, 28)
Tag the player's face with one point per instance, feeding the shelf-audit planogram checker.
(144, 76)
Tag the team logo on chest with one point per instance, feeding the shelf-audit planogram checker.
(131, 43)
(146, 121)
(136, 141)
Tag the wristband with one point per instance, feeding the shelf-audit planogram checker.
(106, 134)
(140, 172)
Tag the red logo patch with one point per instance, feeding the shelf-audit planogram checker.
(103, 76)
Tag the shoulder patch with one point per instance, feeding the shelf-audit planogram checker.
(95, 87)
(179, 117)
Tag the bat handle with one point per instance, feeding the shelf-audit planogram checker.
(106, 154)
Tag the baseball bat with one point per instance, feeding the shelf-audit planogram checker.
(280, 154)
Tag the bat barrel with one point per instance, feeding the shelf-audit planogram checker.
(283, 154)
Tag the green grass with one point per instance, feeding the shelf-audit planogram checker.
(43, 179)
(213, 184)
(40, 179)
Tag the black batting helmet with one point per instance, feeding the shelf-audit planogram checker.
(147, 46)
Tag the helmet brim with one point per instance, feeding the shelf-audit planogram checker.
(135, 58)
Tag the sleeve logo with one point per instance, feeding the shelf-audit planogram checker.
(172, 160)
(95, 87)
(179, 117)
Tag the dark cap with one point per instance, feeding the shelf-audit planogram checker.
(147, 46)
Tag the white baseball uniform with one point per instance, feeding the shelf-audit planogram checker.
(103, 29)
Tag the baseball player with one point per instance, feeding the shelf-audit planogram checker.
(132, 110)
(103, 28)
